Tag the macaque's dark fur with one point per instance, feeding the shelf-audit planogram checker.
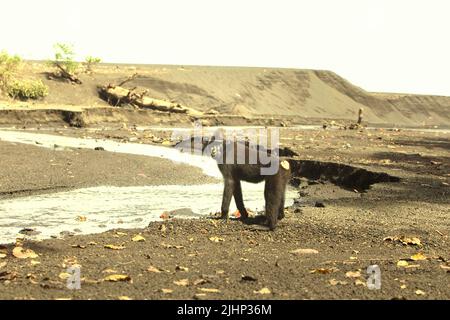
(233, 173)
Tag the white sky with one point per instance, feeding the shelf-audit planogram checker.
(380, 45)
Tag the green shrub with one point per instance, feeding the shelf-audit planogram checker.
(64, 58)
(8, 66)
(90, 62)
(26, 89)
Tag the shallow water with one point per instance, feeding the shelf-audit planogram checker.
(114, 207)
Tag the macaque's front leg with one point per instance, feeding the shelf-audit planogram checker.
(228, 191)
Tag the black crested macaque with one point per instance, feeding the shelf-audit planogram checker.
(233, 171)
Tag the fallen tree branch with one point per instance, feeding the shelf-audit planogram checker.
(118, 95)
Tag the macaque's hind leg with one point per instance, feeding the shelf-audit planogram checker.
(273, 201)
(281, 209)
(228, 191)
(239, 200)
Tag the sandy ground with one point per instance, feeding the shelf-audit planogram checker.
(212, 259)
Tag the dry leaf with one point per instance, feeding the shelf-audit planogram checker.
(114, 247)
(81, 218)
(263, 291)
(22, 253)
(138, 238)
(153, 269)
(121, 233)
(335, 282)
(404, 240)
(304, 251)
(216, 239)
(117, 277)
(109, 271)
(209, 290)
(64, 275)
(124, 298)
(78, 246)
(445, 267)
(199, 282)
(418, 257)
(324, 270)
(182, 282)
(2, 255)
(166, 291)
(402, 263)
(403, 286)
(353, 274)
(359, 282)
(420, 292)
(180, 268)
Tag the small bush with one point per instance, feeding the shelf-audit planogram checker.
(64, 58)
(9, 65)
(26, 89)
(90, 62)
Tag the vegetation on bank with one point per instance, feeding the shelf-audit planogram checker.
(13, 85)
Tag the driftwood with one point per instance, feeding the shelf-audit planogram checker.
(117, 95)
(66, 75)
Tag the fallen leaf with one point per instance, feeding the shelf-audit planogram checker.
(22, 253)
(263, 291)
(445, 267)
(124, 298)
(359, 282)
(420, 292)
(216, 239)
(138, 238)
(180, 268)
(117, 277)
(418, 257)
(200, 281)
(153, 269)
(64, 275)
(81, 218)
(403, 286)
(402, 263)
(163, 228)
(78, 246)
(324, 270)
(2, 255)
(8, 276)
(170, 246)
(335, 282)
(166, 291)
(304, 251)
(353, 274)
(121, 233)
(109, 271)
(209, 290)
(404, 240)
(182, 282)
(114, 247)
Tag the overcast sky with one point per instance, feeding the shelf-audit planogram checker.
(380, 45)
